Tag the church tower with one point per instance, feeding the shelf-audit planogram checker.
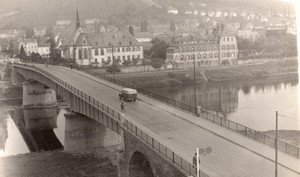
(77, 19)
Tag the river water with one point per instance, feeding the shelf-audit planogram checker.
(252, 104)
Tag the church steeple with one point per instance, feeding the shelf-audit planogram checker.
(77, 19)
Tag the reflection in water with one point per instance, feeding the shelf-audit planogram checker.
(36, 127)
(83, 133)
(249, 103)
(210, 97)
(3, 132)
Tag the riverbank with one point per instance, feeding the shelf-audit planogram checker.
(173, 78)
(101, 163)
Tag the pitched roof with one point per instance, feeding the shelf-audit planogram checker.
(107, 39)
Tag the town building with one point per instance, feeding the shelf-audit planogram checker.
(205, 52)
(44, 49)
(29, 45)
(12, 33)
(251, 35)
(100, 48)
(39, 31)
(172, 10)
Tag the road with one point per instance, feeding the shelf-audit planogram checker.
(228, 158)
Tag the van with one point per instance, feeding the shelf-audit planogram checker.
(128, 94)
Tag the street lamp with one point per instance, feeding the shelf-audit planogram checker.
(113, 60)
(195, 83)
(200, 151)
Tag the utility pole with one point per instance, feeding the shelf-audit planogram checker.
(195, 93)
(276, 144)
(113, 60)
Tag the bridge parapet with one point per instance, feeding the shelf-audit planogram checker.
(147, 138)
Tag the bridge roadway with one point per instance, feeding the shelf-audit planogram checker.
(232, 155)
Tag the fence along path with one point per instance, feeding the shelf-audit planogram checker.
(217, 119)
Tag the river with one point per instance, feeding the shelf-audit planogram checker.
(252, 104)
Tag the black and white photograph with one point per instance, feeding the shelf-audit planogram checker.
(149, 88)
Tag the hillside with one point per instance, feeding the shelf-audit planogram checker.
(45, 12)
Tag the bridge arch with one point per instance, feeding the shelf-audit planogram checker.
(140, 166)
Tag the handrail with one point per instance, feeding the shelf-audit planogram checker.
(158, 147)
(217, 119)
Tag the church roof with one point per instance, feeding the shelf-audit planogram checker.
(106, 39)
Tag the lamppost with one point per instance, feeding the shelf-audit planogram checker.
(195, 93)
(113, 60)
(196, 158)
(276, 144)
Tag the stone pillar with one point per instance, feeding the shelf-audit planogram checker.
(16, 78)
(198, 111)
(83, 133)
(37, 94)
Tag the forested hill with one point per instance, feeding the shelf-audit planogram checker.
(46, 12)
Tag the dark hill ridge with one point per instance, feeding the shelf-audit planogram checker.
(45, 12)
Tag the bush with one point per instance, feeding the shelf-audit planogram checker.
(111, 69)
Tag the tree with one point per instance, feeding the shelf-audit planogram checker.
(126, 62)
(131, 30)
(113, 68)
(144, 26)
(135, 61)
(22, 54)
(157, 62)
(172, 26)
(159, 49)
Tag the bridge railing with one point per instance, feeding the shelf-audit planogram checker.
(149, 141)
(213, 117)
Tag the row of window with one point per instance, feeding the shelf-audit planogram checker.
(199, 56)
(228, 47)
(199, 48)
(227, 39)
(118, 50)
(128, 57)
(204, 56)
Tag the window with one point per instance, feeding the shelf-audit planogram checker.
(227, 47)
(133, 56)
(232, 46)
(138, 56)
(79, 54)
(204, 48)
(119, 50)
(223, 47)
(124, 57)
(193, 56)
(96, 52)
(228, 55)
(205, 56)
(128, 57)
(216, 55)
(123, 49)
(211, 55)
(102, 51)
(133, 49)
(181, 57)
(85, 54)
(199, 56)
(96, 60)
(119, 57)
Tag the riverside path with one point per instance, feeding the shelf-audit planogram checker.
(233, 155)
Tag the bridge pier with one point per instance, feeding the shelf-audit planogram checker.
(37, 94)
(84, 133)
(15, 77)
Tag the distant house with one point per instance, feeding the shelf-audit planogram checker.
(144, 36)
(172, 10)
(39, 31)
(29, 45)
(12, 33)
(188, 12)
(44, 49)
(248, 34)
